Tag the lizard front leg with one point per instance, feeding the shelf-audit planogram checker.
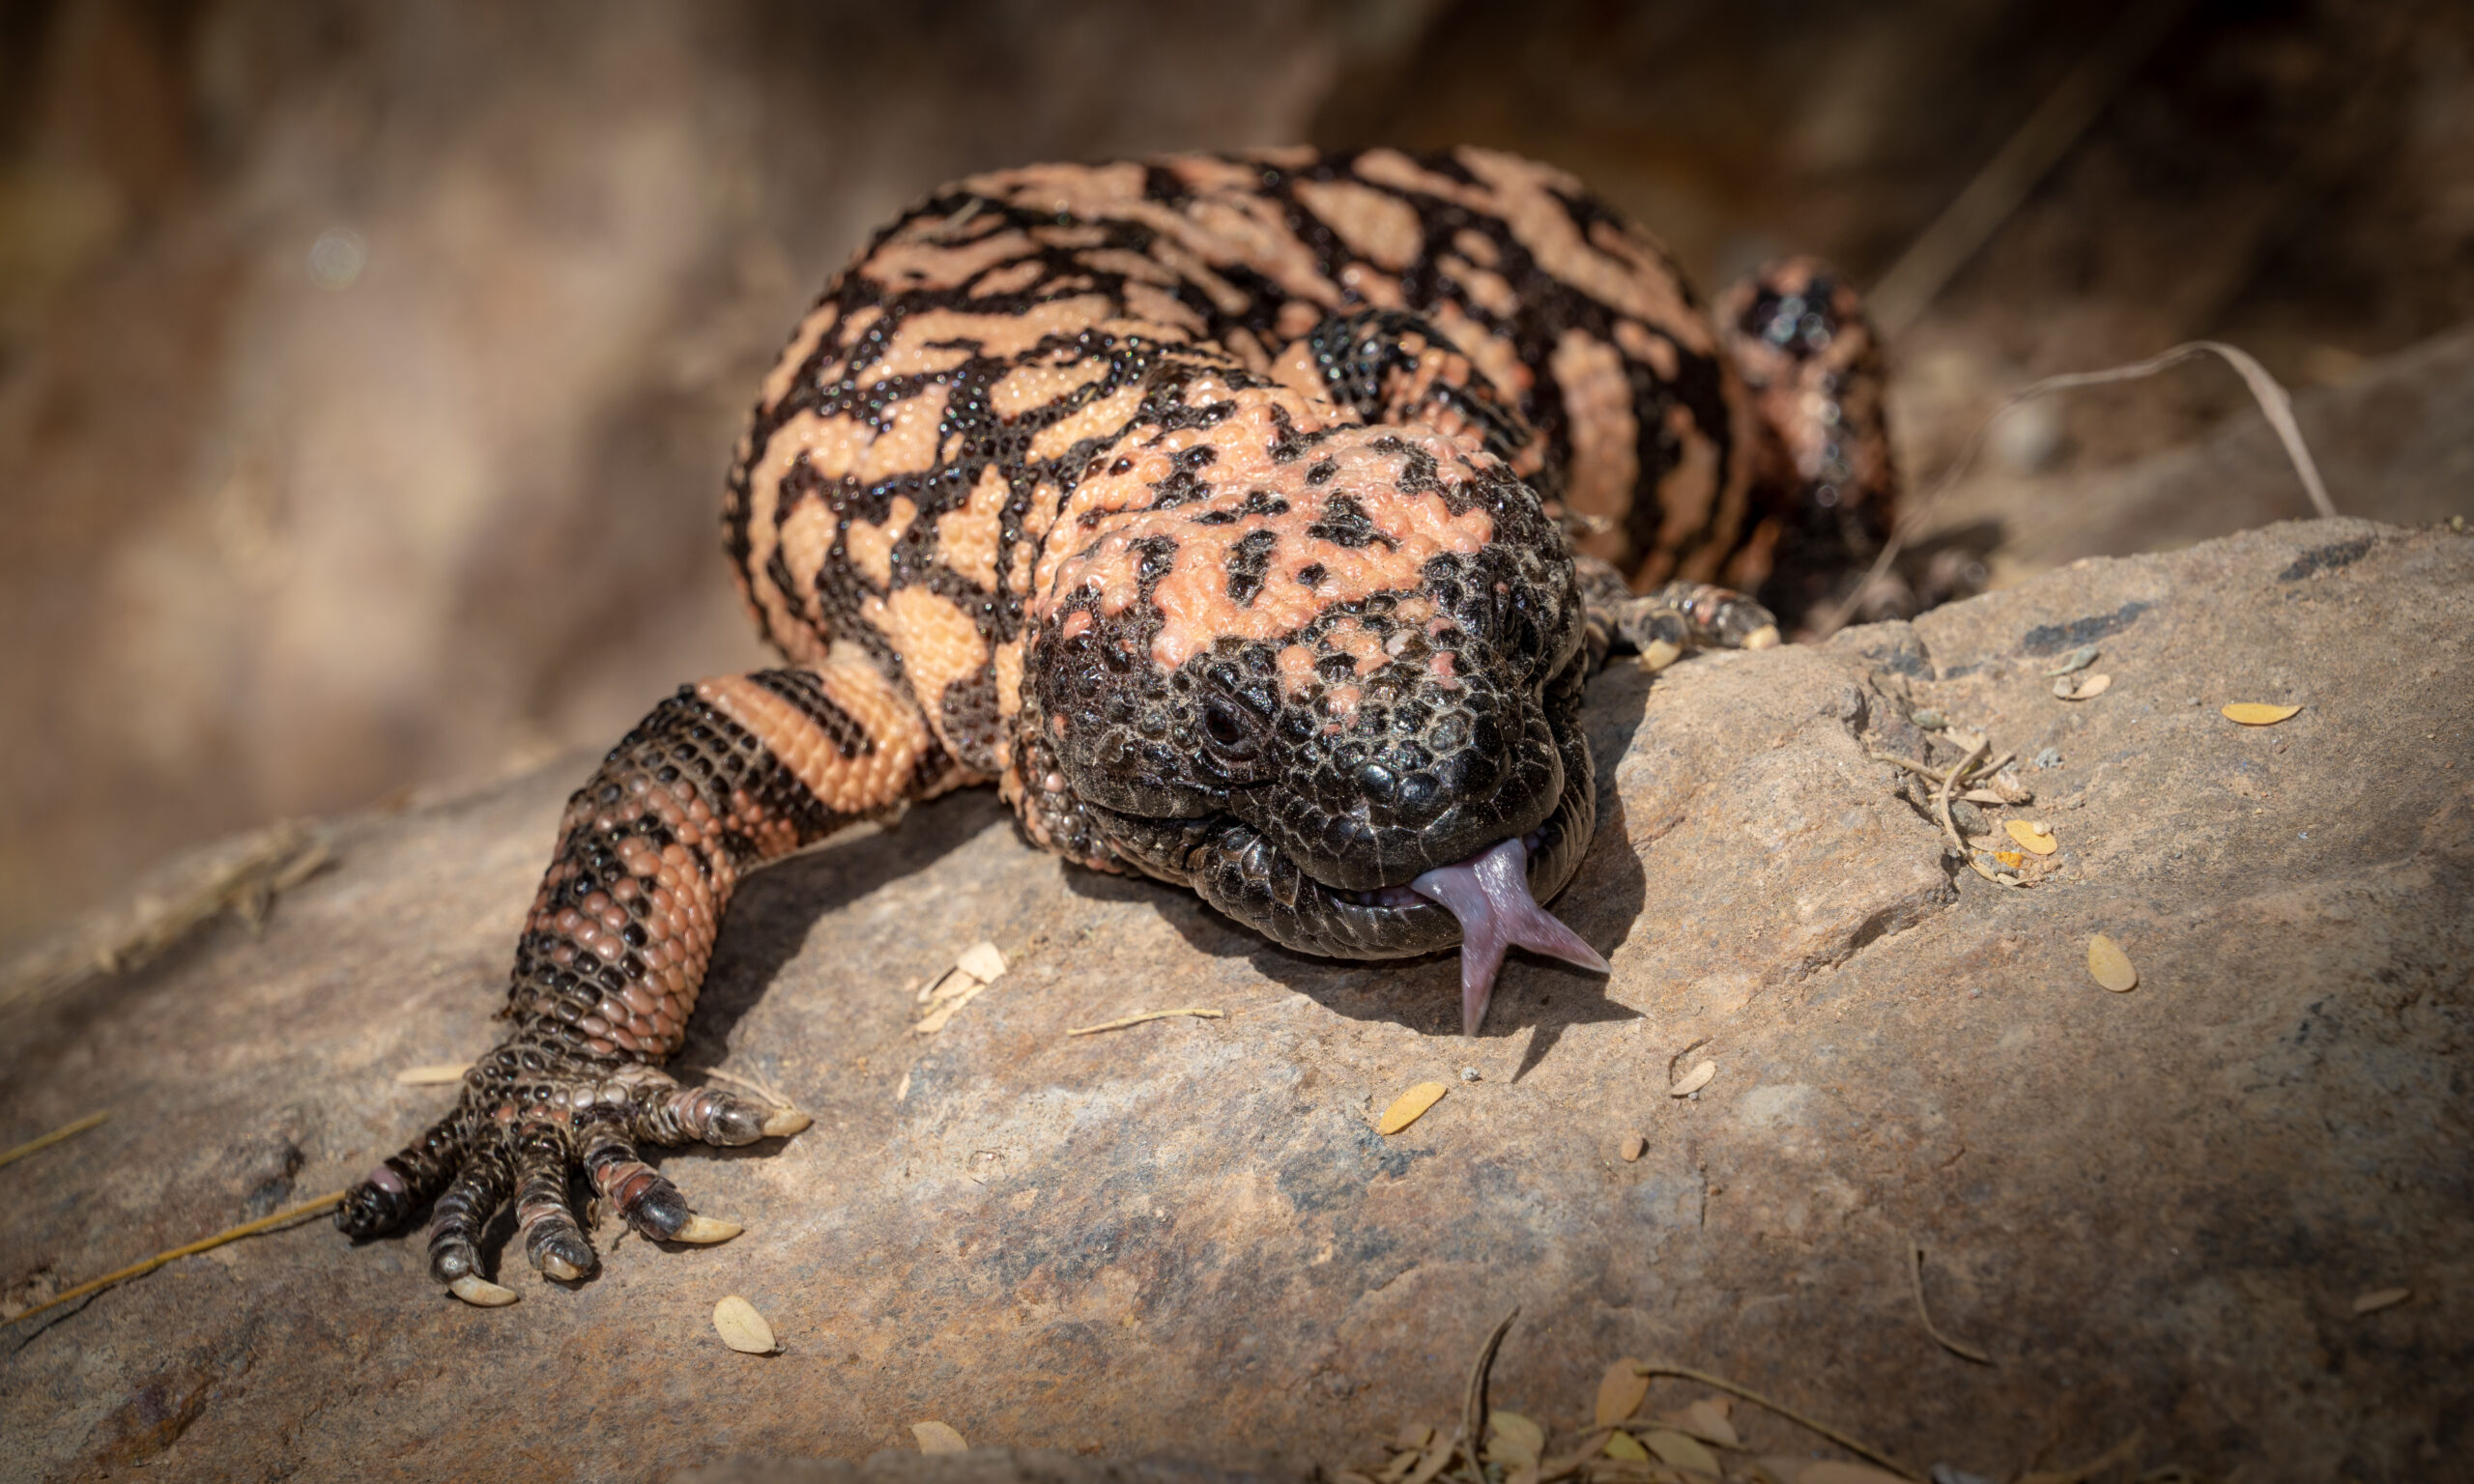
(722, 778)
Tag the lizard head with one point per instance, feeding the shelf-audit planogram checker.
(1334, 687)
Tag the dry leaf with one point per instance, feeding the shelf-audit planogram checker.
(434, 1074)
(2110, 966)
(1831, 1471)
(742, 1328)
(1618, 1393)
(1681, 1450)
(1627, 1446)
(1410, 1106)
(2381, 1299)
(1443, 1452)
(1695, 1079)
(983, 962)
(2078, 659)
(2082, 687)
(1781, 1468)
(2252, 713)
(2010, 858)
(937, 1437)
(1634, 1147)
(1514, 1439)
(1707, 1421)
(936, 1019)
(1969, 741)
(2037, 838)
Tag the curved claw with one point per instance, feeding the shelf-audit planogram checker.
(705, 1231)
(480, 1292)
(782, 1122)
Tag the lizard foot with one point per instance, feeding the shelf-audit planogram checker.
(532, 1113)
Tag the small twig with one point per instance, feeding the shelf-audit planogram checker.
(1704, 1378)
(1473, 1401)
(1915, 1271)
(750, 1083)
(2121, 1452)
(1148, 1014)
(140, 1270)
(65, 1131)
(1947, 780)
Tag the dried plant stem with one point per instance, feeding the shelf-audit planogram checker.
(1946, 781)
(63, 1132)
(1147, 1016)
(1473, 1401)
(1746, 1393)
(750, 1083)
(230, 1234)
(2275, 404)
(1915, 1272)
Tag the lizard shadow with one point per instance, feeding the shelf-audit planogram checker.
(1602, 902)
(774, 909)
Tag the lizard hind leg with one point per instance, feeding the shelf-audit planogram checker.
(1823, 471)
(1664, 625)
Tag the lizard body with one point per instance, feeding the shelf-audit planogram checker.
(1253, 522)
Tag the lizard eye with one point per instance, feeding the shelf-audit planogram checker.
(1233, 733)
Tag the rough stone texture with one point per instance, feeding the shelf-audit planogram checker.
(2156, 1210)
(979, 1466)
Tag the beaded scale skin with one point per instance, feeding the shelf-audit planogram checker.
(1253, 522)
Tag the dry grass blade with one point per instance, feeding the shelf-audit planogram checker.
(2381, 1299)
(433, 1075)
(1473, 1401)
(2274, 405)
(741, 1079)
(1147, 1016)
(1960, 1349)
(1746, 1393)
(228, 1233)
(45, 1141)
(242, 878)
(2112, 1458)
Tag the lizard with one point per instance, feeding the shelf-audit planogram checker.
(1253, 522)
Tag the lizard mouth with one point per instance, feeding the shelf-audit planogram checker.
(1486, 904)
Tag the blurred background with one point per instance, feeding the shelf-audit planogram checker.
(367, 371)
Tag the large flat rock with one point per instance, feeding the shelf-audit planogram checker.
(2154, 1210)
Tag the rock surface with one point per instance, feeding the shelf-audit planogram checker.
(2154, 1210)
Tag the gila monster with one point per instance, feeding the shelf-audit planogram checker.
(1253, 522)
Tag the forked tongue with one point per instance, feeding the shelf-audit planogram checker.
(1490, 893)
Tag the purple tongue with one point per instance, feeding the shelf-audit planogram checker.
(1490, 893)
